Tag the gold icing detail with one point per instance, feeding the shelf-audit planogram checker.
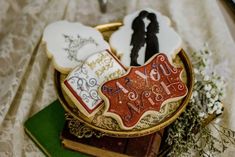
(94, 63)
(104, 61)
(114, 75)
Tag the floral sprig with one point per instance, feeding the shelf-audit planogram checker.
(209, 88)
(189, 135)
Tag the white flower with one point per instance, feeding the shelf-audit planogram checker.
(211, 100)
(196, 71)
(192, 100)
(202, 114)
(215, 107)
(213, 91)
(206, 78)
(219, 111)
(207, 87)
(203, 72)
(209, 104)
(210, 111)
(220, 105)
(208, 95)
(216, 97)
(195, 94)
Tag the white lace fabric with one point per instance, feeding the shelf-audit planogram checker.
(26, 75)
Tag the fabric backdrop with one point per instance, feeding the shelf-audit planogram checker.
(26, 75)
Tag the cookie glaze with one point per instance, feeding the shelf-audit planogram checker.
(142, 90)
(169, 41)
(69, 44)
(83, 82)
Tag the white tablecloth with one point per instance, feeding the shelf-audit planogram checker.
(26, 75)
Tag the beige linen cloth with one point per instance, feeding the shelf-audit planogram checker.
(26, 75)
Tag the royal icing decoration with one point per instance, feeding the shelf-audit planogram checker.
(69, 44)
(83, 82)
(142, 91)
(143, 34)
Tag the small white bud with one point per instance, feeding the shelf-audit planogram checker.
(206, 78)
(208, 95)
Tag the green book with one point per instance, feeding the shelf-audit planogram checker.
(45, 128)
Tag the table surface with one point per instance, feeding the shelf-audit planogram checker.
(26, 75)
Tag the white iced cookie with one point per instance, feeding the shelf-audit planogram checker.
(69, 44)
(82, 84)
(169, 42)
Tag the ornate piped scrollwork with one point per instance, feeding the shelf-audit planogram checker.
(79, 129)
(85, 86)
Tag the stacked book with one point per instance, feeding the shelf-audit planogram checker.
(49, 130)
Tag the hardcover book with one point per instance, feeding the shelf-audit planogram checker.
(145, 146)
(49, 130)
(45, 128)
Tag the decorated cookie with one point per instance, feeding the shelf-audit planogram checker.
(82, 83)
(69, 44)
(143, 34)
(142, 90)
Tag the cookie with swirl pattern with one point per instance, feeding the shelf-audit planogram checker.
(82, 83)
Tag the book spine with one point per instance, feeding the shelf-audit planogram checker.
(155, 144)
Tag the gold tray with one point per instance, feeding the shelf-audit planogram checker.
(148, 124)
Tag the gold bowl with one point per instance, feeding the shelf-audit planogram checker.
(149, 124)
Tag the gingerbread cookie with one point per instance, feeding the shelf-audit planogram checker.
(69, 44)
(142, 91)
(82, 83)
(143, 34)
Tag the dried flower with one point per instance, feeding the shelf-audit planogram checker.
(208, 90)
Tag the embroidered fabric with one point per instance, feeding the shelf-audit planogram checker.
(26, 75)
